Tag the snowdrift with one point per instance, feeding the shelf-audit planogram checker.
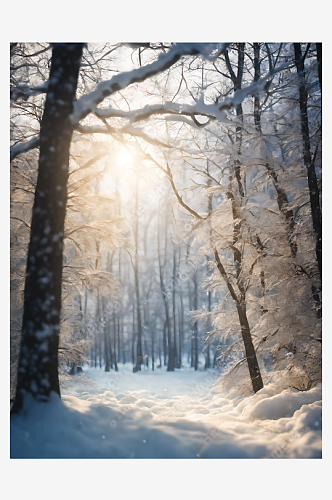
(167, 415)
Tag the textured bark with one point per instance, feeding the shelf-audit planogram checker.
(139, 359)
(195, 324)
(282, 199)
(106, 348)
(319, 59)
(114, 345)
(176, 362)
(312, 179)
(180, 316)
(252, 362)
(207, 352)
(170, 364)
(165, 342)
(237, 82)
(38, 360)
(257, 68)
(254, 371)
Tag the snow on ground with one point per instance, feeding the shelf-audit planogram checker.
(167, 415)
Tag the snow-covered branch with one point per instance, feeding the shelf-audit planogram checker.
(210, 111)
(254, 88)
(24, 92)
(88, 102)
(23, 147)
(171, 108)
(135, 132)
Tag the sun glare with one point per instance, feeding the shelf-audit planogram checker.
(124, 158)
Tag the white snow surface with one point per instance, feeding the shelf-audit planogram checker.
(167, 415)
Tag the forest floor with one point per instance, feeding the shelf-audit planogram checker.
(167, 415)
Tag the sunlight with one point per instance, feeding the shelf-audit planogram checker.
(124, 157)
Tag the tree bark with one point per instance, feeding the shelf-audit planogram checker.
(170, 364)
(252, 362)
(282, 199)
(309, 163)
(319, 59)
(237, 82)
(255, 375)
(139, 359)
(38, 360)
(106, 348)
(195, 324)
(176, 362)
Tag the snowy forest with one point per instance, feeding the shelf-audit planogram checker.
(165, 250)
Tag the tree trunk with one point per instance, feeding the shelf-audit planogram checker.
(237, 82)
(257, 67)
(152, 348)
(139, 359)
(165, 342)
(195, 324)
(176, 363)
(114, 345)
(309, 163)
(210, 207)
(170, 364)
(38, 360)
(254, 371)
(106, 349)
(319, 59)
(180, 314)
(282, 199)
(207, 355)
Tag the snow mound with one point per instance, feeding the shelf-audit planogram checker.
(167, 415)
(281, 405)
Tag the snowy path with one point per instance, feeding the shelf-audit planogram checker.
(168, 415)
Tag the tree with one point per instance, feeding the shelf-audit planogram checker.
(38, 362)
(309, 160)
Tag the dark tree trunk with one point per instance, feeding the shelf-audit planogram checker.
(165, 343)
(139, 359)
(82, 317)
(114, 346)
(210, 206)
(237, 82)
(152, 349)
(134, 335)
(319, 59)
(192, 355)
(106, 347)
(180, 313)
(254, 371)
(107, 359)
(195, 324)
(38, 360)
(207, 355)
(110, 345)
(159, 349)
(95, 353)
(309, 163)
(282, 199)
(176, 363)
(257, 67)
(133, 351)
(170, 364)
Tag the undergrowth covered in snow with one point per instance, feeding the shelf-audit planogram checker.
(167, 415)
